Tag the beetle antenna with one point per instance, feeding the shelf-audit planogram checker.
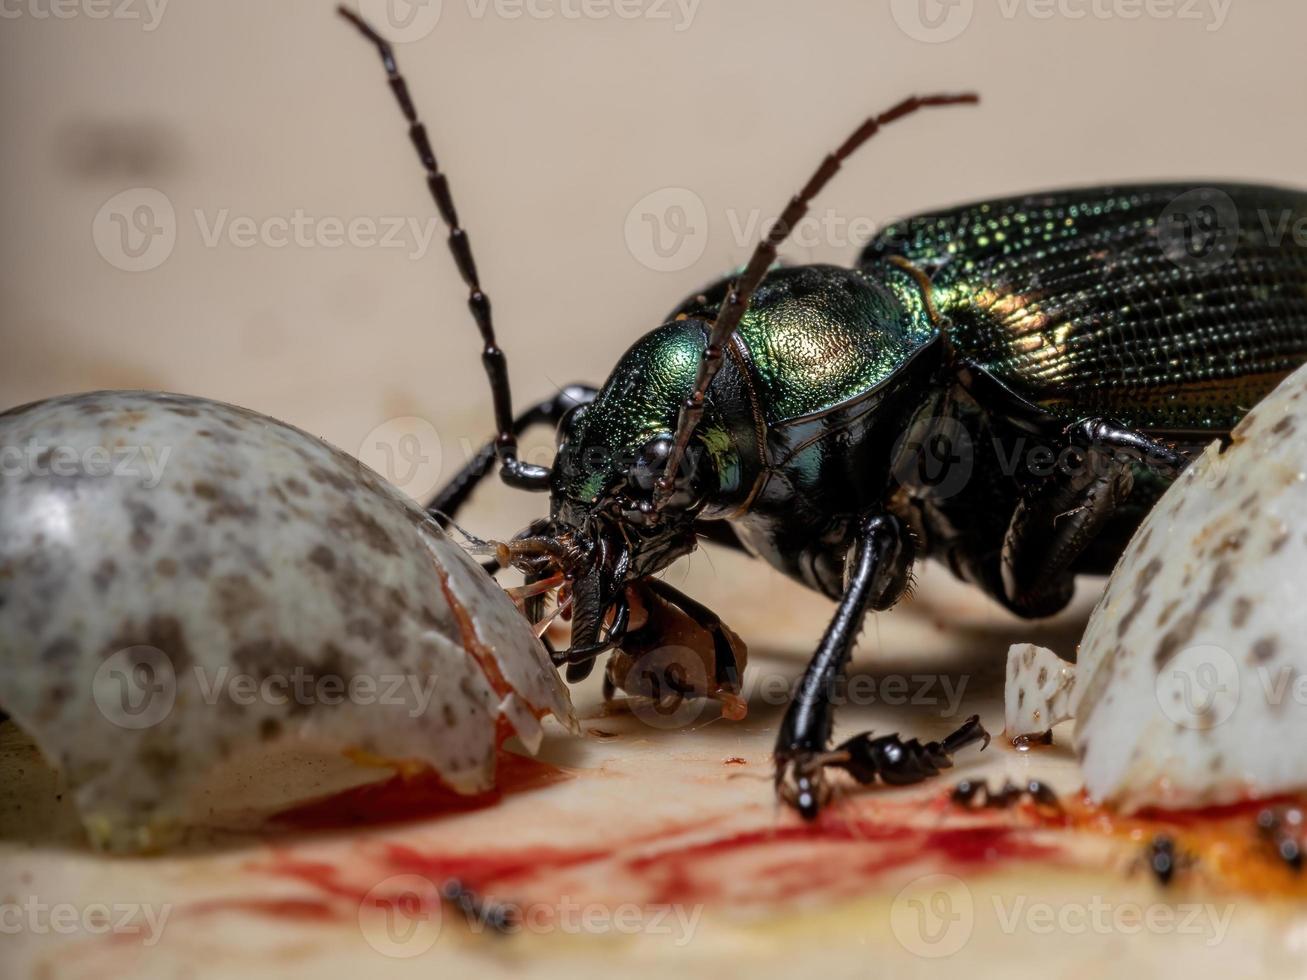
(738, 297)
(513, 471)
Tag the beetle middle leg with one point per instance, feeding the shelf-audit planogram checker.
(881, 561)
(1060, 517)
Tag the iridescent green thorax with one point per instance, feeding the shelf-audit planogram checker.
(815, 337)
(819, 336)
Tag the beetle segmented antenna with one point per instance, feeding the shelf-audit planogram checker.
(515, 472)
(737, 300)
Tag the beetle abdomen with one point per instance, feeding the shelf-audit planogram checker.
(1170, 307)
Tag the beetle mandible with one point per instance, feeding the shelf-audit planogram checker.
(1005, 387)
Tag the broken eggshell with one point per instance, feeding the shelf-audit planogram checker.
(182, 579)
(1038, 694)
(1189, 687)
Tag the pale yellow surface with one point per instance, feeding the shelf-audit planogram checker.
(553, 130)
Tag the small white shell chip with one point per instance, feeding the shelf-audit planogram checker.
(1039, 690)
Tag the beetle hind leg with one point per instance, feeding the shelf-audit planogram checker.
(1060, 517)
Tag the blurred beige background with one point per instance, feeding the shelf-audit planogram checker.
(219, 198)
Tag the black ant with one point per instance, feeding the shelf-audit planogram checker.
(499, 918)
(1164, 860)
(976, 794)
(1282, 829)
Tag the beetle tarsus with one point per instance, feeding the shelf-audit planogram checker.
(866, 757)
(900, 763)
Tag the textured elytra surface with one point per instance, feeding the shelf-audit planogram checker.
(1169, 306)
(180, 579)
(1190, 674)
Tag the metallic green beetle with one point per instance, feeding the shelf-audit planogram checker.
(1005, 387)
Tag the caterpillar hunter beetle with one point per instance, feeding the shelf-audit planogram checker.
(842, 424)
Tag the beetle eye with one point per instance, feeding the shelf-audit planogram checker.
(649, 466)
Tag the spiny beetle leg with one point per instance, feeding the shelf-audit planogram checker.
(901, 763)
(1062, 514)
(1126, 443)
(878, 572)
(1053, 525)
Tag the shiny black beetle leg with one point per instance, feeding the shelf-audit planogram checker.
(878, 573)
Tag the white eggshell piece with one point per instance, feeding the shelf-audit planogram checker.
(1038, 692)
(1192, 667)
(227, 580)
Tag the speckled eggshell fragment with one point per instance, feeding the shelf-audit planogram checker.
(226, 580)
(1038, 691)
(1193, 668)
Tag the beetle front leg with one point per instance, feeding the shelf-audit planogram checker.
(1059, 519)
(877, 576)
(454, 494)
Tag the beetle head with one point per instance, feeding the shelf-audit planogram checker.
(611, 452)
